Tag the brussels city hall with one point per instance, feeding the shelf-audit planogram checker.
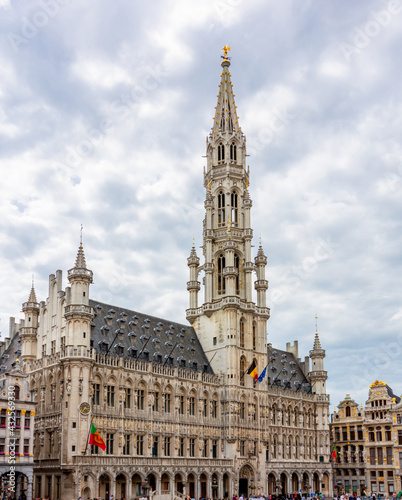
(175, 404)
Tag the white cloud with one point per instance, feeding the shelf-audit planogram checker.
(325, 182)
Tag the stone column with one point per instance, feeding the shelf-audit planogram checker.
(128, 488)
(29, 487)
(209, 486)
(113, 487)
(220, 491)
(197, 487)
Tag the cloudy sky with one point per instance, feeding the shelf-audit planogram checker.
(105, 107)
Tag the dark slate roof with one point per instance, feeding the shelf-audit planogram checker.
(10, 355)
(284, 371)
(133, 334)
(392, 395)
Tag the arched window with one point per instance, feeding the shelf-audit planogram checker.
(371, 434)
(242, 370)
(348, 411)
(297, 448)
(234, 212)
(241, 332)
(221, 279)
(236, 265)
(221, 152)
(233, 152)
(274, 448)
(254, 336)
(296, 418)
(274, 415)
(17, 392)
(223, 124)
(221, 208)
(378, 434)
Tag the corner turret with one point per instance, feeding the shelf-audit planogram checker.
(29, 331)
(78, 312)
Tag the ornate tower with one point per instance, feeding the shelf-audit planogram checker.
(318, 376)
(78, 312)
(230, 326)
(29, 331)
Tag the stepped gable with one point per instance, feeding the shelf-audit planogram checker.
(136, 335)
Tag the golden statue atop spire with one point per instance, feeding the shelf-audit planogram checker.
(225, 51)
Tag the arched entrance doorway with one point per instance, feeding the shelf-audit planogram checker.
(316, 483)
(178, 481)
(226, 489)
(87, 493)
(306, 486)
(246, 481)
(295, 483)
(136, 485)
(191, 485)
(325, 482)
(203, 485)
(165, 482)
(104, 486)
(151, 483)
(121, 486)
(283, 484)
(271, 484)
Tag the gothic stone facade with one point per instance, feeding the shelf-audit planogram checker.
(174, 403)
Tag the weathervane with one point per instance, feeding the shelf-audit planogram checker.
(225, 51)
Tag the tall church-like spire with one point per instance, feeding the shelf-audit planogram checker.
(227, 235)
(226, 120)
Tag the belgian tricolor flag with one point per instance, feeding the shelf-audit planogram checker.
(95, 439)
(252, 371)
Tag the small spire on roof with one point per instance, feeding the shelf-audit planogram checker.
(80, 260)
(32, 295)
(317, 344)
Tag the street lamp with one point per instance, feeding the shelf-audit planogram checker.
(145, 487)
(214, 487)
(252, 487)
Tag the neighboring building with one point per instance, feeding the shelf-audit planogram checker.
(174, 403)
(17, 414)
(369, 443)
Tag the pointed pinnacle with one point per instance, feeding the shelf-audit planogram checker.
(317, 344)
(32, 295)
(80, 260)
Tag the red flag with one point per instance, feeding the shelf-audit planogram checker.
(95, 439)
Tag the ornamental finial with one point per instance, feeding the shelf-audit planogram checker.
(225, 51)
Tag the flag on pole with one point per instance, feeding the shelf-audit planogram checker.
(262, 376)
(95, 439)
(335, 454)
(252, 370)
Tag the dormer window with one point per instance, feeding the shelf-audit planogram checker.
(221, 152)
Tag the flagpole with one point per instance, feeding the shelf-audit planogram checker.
(89, 432)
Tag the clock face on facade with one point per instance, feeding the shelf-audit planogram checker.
(85, 408)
